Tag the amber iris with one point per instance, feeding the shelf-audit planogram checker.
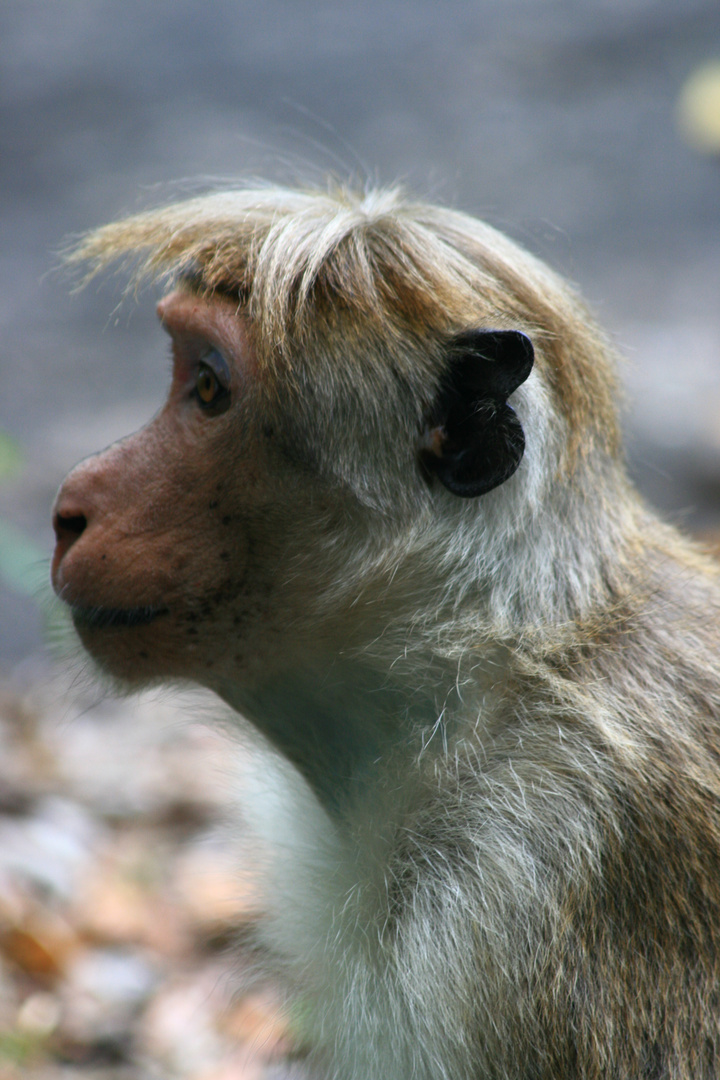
(207, 386)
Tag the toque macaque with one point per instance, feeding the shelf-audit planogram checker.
(384, 515)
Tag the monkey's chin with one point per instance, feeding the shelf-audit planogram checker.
(123, 644)
(104, 618)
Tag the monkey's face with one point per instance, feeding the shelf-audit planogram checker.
(172, 545)
(216, 543)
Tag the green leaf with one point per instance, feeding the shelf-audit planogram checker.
(11, 456)
(23, 565)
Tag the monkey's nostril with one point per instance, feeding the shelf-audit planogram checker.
(69, 526)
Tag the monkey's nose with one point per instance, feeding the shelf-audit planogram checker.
(69, 523)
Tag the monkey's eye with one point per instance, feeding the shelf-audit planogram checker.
(211, 384)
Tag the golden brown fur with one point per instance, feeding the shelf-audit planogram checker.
(500, 849)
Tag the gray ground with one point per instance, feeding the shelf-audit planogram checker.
(554, 120)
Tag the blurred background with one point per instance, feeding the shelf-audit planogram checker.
(588, 132)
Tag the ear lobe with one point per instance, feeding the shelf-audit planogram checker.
(474, 441)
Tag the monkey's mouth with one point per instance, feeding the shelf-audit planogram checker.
(102, 618)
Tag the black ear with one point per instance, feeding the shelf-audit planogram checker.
(473, 440)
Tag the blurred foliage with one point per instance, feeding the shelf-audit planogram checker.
(23, 565)
(11, 456)
(699, 108)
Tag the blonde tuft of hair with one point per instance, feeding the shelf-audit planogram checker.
(312, 266)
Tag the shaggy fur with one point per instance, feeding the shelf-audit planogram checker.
(497, 793)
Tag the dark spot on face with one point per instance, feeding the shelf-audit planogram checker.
(209, 663)
(142, 654)
(213, 505)
(226, 520)
(237, 619)
(192, 630)
(268, 431)
(103, 556)
(224, 554)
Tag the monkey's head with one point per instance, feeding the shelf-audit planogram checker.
(352, 432)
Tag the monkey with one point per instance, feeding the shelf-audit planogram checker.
(384, 514)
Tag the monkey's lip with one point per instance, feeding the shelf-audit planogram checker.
(101, 618)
